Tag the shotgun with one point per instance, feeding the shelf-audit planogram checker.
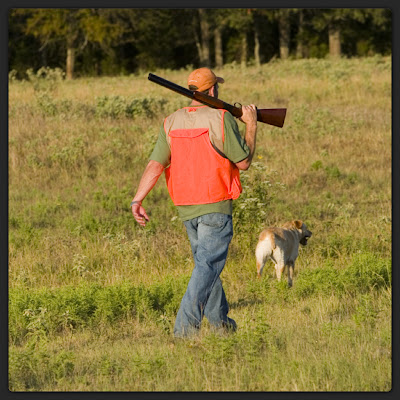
(270, 116)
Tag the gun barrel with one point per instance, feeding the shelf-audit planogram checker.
(170, 85)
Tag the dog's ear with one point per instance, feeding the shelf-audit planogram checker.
(298, 224)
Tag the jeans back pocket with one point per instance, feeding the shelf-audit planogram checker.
(216, 220)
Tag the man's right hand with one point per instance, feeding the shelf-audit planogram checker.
(249, 116)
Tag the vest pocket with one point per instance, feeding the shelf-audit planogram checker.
(188, 133)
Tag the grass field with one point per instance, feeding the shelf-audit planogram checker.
(93, 296)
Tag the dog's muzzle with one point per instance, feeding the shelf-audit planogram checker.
(304, 240)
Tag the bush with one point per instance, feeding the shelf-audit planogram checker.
(29, 369)
(366, 272)
(40, 313)
(118, 106)
(320, 280)
(45, 79)
(250, 209)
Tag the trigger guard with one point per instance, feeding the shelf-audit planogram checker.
(237, 106)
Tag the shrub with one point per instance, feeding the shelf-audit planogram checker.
(30, 369)
(118, 106)
(323, 280)
(367, 271)
(249, 210)
(39, 313)
(45, 79)
(12, 75)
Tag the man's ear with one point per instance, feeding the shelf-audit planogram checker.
(212, 91)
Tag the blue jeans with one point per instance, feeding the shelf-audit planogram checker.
(209, 236)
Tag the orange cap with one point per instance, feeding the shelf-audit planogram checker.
(203, 78)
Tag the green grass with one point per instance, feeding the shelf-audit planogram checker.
(93, 296)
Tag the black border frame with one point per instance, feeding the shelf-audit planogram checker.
(6, 5)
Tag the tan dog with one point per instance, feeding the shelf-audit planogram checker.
(281, 245)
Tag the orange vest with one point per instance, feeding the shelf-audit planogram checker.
(197, 173)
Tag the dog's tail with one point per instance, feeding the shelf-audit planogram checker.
(264, 249)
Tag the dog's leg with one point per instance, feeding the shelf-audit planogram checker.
(262, 254)
(260, 266)
(290, 266)
(279, 267)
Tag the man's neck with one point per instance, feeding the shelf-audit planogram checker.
(196, 103)
(213, 92)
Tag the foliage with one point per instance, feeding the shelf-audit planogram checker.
(259, 189)
(366, 272)
(71, 25)
(36, 314)
(45, 79)
(123, 41)
(117, 106)
(25, 368)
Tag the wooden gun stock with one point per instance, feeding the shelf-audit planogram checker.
(270, 116)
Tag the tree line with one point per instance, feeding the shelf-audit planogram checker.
(105, 41)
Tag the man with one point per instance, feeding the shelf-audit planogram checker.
(201, 151)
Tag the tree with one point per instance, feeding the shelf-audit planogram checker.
(72, 27)
(257, 59)
(219, 55)
(219, 22)
(259, 18)
(203, 44)
(22, 48)
(300, 48)
(115, 41)
(373, 31)
(241, 20)
(163, 38)
(284, 33)
(264, 29)
(334, 21)
(334, 39)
